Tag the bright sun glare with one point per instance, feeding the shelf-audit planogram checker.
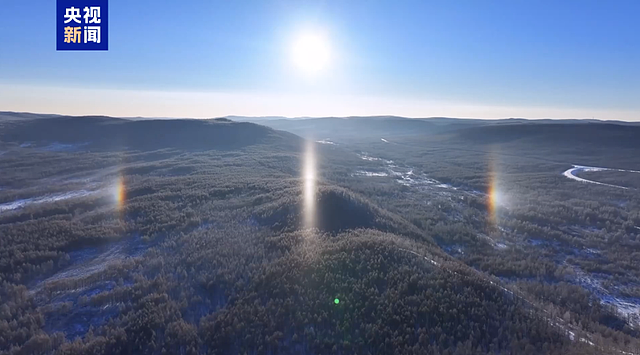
(311, 53)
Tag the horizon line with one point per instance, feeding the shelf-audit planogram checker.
(316, 117)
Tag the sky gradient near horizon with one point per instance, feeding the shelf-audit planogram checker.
(484, 59)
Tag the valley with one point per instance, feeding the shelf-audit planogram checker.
(460, 239)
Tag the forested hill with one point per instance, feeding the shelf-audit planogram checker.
(108, 133)
(606, 135)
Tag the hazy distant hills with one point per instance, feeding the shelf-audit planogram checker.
(101, 132)
(378, 126)
(10, 116)
(476, 129)
(605, 134)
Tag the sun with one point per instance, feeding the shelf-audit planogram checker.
(311, 52)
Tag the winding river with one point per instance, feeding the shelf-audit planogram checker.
(571, 174)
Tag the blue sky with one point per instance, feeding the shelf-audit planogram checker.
(485, 59)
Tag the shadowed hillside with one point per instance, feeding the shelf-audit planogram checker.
(335, 210)
(108, 133)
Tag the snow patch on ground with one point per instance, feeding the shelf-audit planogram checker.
(627, 308)
(90, 267)
(70, 306)
(500, 246)
(46, 199)
(405, 175)
(592, 251)
(571, 334)
(88, 261)
(326, 141)
(453, 250)
(55, 146)
(422, 256)
(494, 243)
(365, 156)
(446, 186)
(61, 147)
(370, 173)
